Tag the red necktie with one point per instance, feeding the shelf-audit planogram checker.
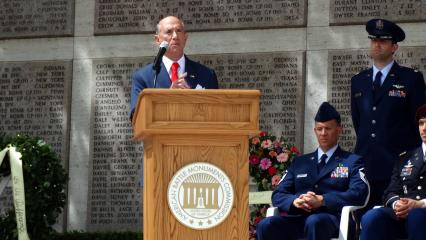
(175, 67)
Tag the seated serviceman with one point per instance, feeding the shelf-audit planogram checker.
(317, 186)
(404, 214)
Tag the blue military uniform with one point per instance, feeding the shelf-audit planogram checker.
(384, 120)
(339, 181)
(408, 181)
(198, 74)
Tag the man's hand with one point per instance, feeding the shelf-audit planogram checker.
(308, 201)
(300, 203)
(403, 206)
(180, 83)
(314, 201)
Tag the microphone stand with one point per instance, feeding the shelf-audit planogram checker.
(157, 71)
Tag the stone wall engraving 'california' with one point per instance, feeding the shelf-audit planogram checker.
(35, 101)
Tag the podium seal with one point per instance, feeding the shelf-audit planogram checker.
(200, 195)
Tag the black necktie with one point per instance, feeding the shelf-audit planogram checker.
(321, 162)
(377, 82)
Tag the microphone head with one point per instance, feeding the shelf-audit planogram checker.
(164, 44)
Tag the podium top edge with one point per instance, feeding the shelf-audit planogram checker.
(150, 91)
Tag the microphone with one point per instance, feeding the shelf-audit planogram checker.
(157, 61)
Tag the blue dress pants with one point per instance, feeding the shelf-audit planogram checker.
(315, 226)
(382, 223)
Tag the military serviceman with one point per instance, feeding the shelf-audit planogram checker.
(317, 186)
(384, 100)
(404, 214)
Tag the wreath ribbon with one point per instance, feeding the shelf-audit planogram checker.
(18, 189)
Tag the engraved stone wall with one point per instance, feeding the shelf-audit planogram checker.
(280, 77)
(360, 11)
(34, 100)
(42, 18)
(343, 64)
(137, 16)
(116, 161)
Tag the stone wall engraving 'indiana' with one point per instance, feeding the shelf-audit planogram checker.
(343, 64)
(137, 16)
(41, 18)
(35, 100)
(360, 11)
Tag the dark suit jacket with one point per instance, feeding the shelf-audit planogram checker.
(408, 178)
(385, 125)
(198, 74)
(339, 181)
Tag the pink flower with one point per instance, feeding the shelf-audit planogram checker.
(267, 144)
(255, 140)
(282, 157)
(253, 159)
(265, 163)
(272, 153)
(275, 180)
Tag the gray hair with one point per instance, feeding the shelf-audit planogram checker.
(157, 29)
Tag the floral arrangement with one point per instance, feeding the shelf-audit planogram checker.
(268, 161)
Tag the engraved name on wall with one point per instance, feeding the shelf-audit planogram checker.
(136, 16)
(34, 101)
(41, 18)
(360, 11)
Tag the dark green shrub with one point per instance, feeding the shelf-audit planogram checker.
(44, 181)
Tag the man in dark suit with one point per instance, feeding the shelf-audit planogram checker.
(384, 100)
(316, 187)
(177, 70)
(404, 214)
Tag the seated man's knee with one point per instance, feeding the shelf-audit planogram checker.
(416, 216)
(371, 217)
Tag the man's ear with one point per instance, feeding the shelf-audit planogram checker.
(395, 47)
(157, 39)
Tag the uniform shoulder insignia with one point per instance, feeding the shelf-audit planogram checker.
(402, 154)
(415, 70)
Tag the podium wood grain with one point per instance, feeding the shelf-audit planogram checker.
(180, 127)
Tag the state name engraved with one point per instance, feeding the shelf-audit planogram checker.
(137, 16)
(280, 78)
(34, 101)
(343, 64)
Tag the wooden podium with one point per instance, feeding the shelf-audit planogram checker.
(180, 127)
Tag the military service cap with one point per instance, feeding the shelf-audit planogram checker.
(327, 112)
(384, 29)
